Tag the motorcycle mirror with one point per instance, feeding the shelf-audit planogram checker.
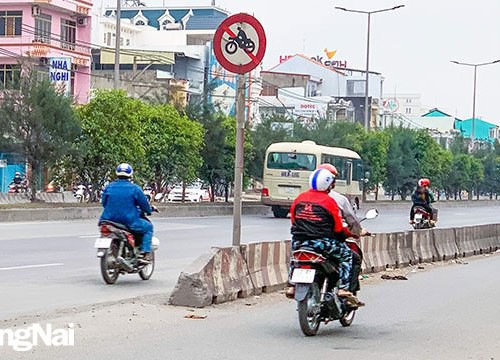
(371, 214)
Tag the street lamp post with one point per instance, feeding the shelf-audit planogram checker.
(367, 80)
(474, 92)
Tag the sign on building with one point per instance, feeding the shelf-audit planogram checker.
(60, 74)
(306, 109)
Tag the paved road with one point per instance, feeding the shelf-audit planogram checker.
(69, 272)
(446, 313)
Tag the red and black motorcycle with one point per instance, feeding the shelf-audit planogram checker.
(316, 283)
(423, 219)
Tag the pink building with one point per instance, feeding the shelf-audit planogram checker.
(43, 30)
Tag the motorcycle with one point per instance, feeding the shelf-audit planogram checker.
(82, 194)
(240, 41)
(149, 193)
(119, 251)
(423, 219)
(316, 286)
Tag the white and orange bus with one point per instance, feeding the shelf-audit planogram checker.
(287, 167)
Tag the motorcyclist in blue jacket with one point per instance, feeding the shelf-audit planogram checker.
(123, 203)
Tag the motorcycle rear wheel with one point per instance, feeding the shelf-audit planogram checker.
(309, 311)
(147, 271)
(109, 272)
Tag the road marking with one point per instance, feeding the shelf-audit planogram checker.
(30, 266)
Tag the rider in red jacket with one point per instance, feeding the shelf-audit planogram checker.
(316, 223)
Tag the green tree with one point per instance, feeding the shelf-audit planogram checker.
(40, 122)
(172, 144)
(374, 155)
(112, 129)
(402, 167)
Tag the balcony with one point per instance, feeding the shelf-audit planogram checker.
(43, 46)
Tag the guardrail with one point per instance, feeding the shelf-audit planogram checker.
(225, 274)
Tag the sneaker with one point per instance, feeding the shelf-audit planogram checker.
(290, 292)
(345, 293)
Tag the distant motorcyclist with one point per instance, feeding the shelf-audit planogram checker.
(18, 179)
(316, 223)
(422, 197)
(123, 203)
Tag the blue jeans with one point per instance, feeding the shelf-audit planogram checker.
(334, 250)
(145, 228)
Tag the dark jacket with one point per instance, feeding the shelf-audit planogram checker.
(315, 215)
(123, 202)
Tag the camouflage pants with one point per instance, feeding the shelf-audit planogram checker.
(336, 251)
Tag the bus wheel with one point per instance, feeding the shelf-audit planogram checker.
(280, 212)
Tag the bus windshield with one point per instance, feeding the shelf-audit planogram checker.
(291, 161)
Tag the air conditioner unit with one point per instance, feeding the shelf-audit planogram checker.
(81, 21)
(35, 10)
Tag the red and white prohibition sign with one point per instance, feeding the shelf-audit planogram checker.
(240, 43)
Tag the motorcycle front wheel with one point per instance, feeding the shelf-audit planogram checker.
(147, 270)
(231, 47)
(109, 268)
(309, 311)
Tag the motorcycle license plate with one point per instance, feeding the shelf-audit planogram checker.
(303, 276)
(102, 243)
(418, 216)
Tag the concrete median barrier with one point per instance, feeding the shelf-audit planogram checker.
(376, 253)
(93, 212)
(466, 242)
(268, 264)
(445, 243)
(405, 255)
(423, 246)
(485, 237)
(215, 277)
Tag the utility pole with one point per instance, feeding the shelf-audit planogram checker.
(238, 163)
(117, 43)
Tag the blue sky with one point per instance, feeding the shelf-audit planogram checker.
(411, 46)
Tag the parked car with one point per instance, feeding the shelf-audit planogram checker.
(194, 193)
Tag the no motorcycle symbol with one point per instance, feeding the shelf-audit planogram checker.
(240, 43)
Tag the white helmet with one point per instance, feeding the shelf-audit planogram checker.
(124, 170)
(321, 180)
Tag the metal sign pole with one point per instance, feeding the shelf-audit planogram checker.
(238, 163)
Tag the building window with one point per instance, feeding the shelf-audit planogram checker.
(140, 23)
(121, 41)
(74, 69)
(164, 24)
(408, 111)
(9, 76)
(68, 34)
(43, 28)
(408, 101)
(11, 23)
(128, 42)
(108, 40)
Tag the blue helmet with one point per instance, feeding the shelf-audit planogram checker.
(124, 170)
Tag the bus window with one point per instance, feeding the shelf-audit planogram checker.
(291, 161)
(357, 172)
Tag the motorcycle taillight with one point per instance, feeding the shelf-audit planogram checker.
(105, 231)
(307, 256)
(265, 192)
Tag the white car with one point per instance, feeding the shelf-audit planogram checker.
(192, 194)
